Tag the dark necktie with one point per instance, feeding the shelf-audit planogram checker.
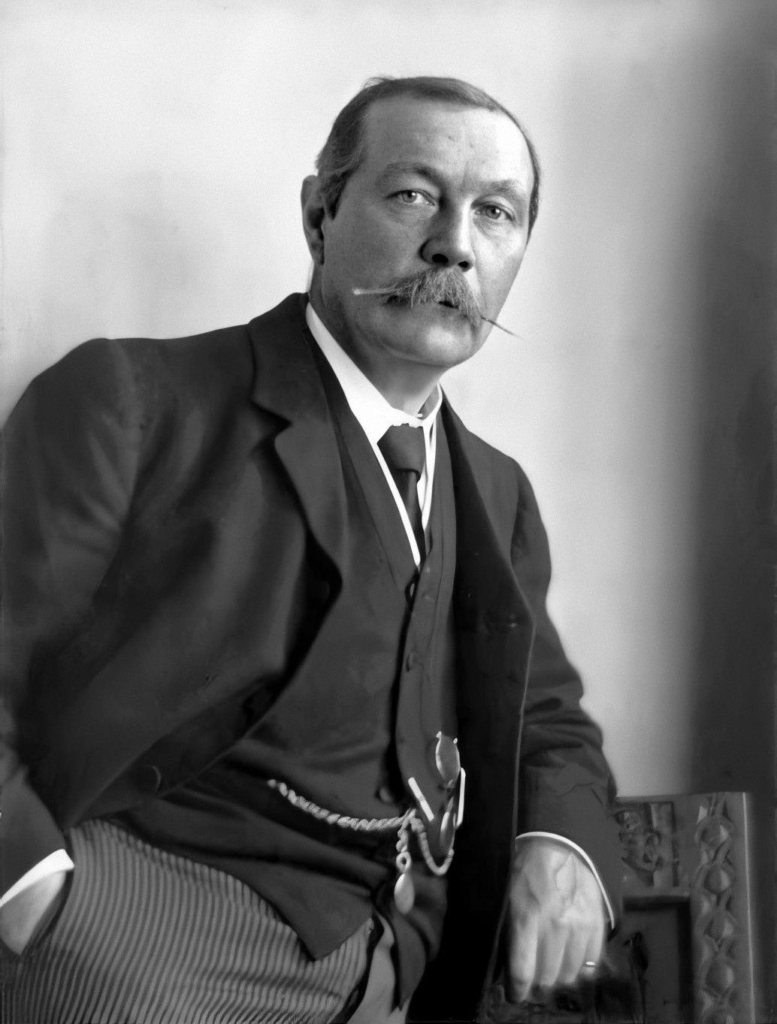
(404, 450)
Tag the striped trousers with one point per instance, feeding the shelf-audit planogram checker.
(146, 937)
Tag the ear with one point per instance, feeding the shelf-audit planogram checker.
(313, 217)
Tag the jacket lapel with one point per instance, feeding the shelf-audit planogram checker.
(287, 383)
(494, 632)
(492, 613)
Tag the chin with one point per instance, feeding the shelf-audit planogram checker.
(426, 335)
(442, 348)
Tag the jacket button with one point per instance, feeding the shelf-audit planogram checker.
(385, 795)
(149, 778)
(411, 661)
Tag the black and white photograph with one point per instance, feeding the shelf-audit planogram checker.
(387, 511)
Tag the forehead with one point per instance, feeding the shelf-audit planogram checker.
(457, 141)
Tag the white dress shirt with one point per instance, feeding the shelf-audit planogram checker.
(375, 416)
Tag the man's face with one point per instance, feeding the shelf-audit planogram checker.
(439, 186)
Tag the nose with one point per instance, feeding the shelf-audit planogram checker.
(449, 243)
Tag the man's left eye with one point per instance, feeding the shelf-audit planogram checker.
(494, 212)
(410, 196)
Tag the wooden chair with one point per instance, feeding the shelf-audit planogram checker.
(683, 953)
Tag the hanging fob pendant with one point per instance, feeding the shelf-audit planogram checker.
(404, 889)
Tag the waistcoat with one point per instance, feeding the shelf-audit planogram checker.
(357, 720)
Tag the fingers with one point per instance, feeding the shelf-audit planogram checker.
(573, 958)
(523, 947)
(592, 957)
(556, 921)
(584, 946)
(551, 951)
(595, 948)
(548, 954)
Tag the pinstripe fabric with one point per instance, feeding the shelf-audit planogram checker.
(145, 937)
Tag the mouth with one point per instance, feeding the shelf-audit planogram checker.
(401, 300)
(450, 310)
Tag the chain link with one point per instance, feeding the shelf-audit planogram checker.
(333, 818)
(402, 822)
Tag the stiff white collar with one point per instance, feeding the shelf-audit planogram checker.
(368, 405)
(375, 416)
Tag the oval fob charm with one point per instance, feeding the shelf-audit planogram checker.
(404, 889)
(404, 892)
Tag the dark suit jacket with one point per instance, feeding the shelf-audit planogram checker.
(173, 529)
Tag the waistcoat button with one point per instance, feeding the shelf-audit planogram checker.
(149, 778)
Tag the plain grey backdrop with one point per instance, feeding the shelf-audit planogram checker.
(152, 158)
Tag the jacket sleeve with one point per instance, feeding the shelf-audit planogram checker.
(69, 454)
(566, 785)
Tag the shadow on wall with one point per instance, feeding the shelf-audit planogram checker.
(734, 682)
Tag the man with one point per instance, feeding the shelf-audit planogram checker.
(270, 606)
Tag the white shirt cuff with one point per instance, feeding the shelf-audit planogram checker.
(581, 853)
(57, 861)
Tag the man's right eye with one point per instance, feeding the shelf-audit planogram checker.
(411, 196)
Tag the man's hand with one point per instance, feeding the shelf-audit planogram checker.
(556, 918)
(31, 909)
